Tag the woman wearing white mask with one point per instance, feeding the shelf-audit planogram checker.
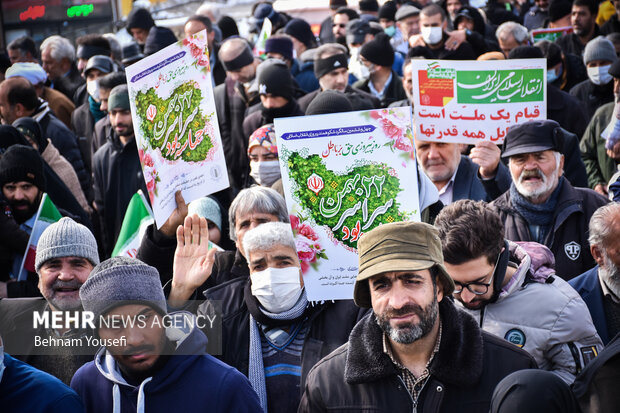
(263, 154)
(598, 89)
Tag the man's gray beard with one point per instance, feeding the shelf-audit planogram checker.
(610, 274)
(548, 184)
(414, 332)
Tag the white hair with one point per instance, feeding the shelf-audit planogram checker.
(601, 227)
(517, 31)
(60, 48)
(256, 199)
(268, 235)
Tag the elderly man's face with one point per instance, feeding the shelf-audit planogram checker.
(143, 345)
(60, 280)
(335, 80)
(53, 67)
(507, 44)
(278, 256)
(245, 221)
(405, 304)
(536, 174)
(409, 26)
(245, 74)
(439, 160)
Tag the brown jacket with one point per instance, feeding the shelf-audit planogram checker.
(61, 105)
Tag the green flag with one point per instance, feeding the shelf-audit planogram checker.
(137, 218)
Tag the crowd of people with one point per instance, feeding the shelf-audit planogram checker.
(506, 298)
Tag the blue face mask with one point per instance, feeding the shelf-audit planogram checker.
(390, 31)
(553, 75)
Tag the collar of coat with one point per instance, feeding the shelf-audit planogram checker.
(458, 362)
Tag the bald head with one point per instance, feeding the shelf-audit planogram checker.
(238, 61)
(232, 48)
(18, 98)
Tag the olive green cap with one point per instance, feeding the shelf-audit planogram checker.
(400, 246)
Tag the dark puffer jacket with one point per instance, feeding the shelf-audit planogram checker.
(360, 377)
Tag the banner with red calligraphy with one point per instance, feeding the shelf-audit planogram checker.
(470, 101)
(175, 123)
(343, 175)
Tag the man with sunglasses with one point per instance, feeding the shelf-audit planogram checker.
(512, 290)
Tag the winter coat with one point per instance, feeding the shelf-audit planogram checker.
(68, 84)
(26, 389)
(394, 90)
(231, 102)
(596, 388)
(599, 166)
(102, 130)
(573, 72)
(592, 96)
(541, 314)
(65, 141)
(330, 324)
(256, 119)
(303, 72)
(360, 377)
(465, 51)
(568, 237)
(611, 26)
(190, 381)
(469, 185)
(566, 110)
(83, 124)
(589, 288)
(570, 43)
(535, 18)
(118, 176)
(61, 105)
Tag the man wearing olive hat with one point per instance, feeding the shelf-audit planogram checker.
(415, 350)
(116, 168)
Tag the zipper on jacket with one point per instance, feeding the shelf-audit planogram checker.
(482, 315)
(414, 402)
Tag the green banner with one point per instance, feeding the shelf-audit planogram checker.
(500, 86)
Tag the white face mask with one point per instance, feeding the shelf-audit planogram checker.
(599, 75)
(431, 35)
(265, 173)
(276, 289)
(1, 362)
(92, 87)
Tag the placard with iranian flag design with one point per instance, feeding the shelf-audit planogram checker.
(343, 175)
(175, 123)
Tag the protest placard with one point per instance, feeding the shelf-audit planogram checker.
(550, 34)
(470, 101)
(175, 124)
(343, 175)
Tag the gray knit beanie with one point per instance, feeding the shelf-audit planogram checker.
(599, 49)
(66, 238)
(122, 280)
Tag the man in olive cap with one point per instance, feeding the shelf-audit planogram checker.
(415, 350)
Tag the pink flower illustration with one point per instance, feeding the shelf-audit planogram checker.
(308, 249)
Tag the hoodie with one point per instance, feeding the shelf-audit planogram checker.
(190, 381)
(539, 312)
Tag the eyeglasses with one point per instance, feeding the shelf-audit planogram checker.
(341, 25)
(476, 287)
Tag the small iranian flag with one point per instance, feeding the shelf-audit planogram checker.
(138, 216)
(261, 42)
(46, 215)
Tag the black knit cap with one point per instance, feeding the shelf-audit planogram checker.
(329, 101)
(614, 70)
(387, 11)
(22, 163)
(30, 128)
(559, 9)
(9, 136)
(280, 44)
(228, 26)
(158, 38)
(526, 52)
(275, 79)
(140, 18)
(379, 51)
(368, 5)
(300, 30)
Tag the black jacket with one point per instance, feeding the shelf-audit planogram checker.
(464, 52)
(118, 176)
(83, 125)
(70, 83)
(570, 43)
(568, 239)
(231, 103)
(330, 325)
(257, 118)
(360, 377)
(611, 26)
(573, 72)
(566, 110)
(591, 96)
(394, 91)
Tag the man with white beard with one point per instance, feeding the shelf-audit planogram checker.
(541, 205)
(600, 286)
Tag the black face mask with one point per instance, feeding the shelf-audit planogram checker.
(269, 114)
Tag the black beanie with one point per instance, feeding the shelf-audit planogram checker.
(301, 30)
(280, 44)
(275, 79)
(379, 51)
(329, 101)
(10, 136)
(228, 26)
(388, 11)
(31, 129)
(158, 38)
(526, 52)
(140, 18)
(559, 9)
(368, 5)
(22, 163)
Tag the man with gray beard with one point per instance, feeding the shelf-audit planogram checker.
(541, 205)
(415, 351)
(600, 286)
